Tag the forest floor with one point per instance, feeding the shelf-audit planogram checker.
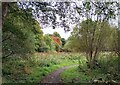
(54, 77)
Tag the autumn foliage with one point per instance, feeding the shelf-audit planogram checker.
(56, 40)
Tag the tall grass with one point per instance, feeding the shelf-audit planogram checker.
(18, 70)
(107, 72)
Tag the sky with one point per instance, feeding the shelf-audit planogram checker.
(61, 31)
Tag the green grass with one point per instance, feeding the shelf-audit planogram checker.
(73, 75)
(18, 70)
(51, 63)
(107, 73)
(67, 76)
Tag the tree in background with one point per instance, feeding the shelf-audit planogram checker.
(38, 35)
(117, 43)
(90, 37)
(116, 46)
(72, 44)
(57, 41)
(50, 45)
(56, 34)
(63, 41)
(47, 42)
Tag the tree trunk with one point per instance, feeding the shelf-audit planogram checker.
(4, 10)
(90, 62)
(95, 54)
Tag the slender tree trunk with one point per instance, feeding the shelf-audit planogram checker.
(4, 10)
(90, 63)
(96, 52)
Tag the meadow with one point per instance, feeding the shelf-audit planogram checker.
(107, 72)
(19, 70)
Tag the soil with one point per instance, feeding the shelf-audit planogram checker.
(54, 77)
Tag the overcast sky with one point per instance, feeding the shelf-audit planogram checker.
(62, 33)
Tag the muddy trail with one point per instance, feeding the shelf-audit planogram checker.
(54, 77)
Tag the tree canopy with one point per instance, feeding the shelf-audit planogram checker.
(90, 37)
(62, 14)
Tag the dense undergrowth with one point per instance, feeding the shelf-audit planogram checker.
(107, 72)
(19, 70)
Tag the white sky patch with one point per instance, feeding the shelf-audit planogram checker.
(61, 31)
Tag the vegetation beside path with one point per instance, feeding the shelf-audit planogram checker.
(19, 70)
(106, 73)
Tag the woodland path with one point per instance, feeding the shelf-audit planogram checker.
(54, 77)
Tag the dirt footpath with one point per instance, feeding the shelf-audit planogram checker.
(54, 77)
